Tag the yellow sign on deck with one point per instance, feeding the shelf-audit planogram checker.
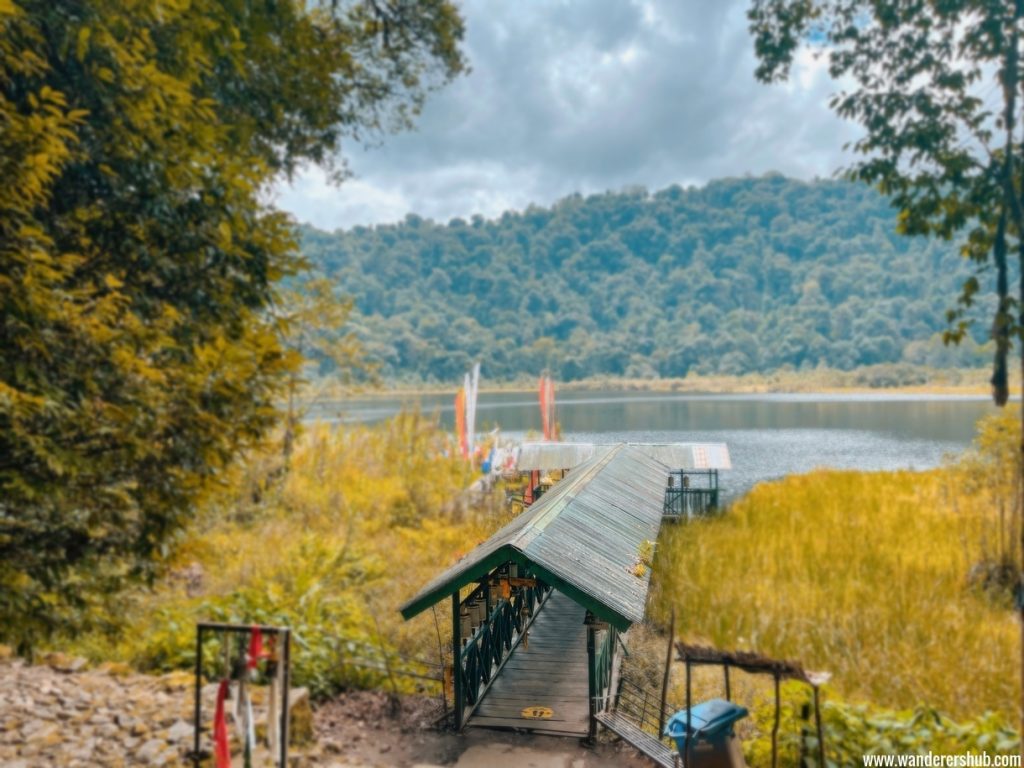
(537, 713)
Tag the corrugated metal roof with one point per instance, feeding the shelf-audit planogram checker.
(583, 537)
(549, 456)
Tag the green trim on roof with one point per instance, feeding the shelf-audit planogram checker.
(583, 537)
(472, 574)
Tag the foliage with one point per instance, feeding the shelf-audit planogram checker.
(358, 521)
(742, 275)
(904, 376)
(990, 472)
(311, 321)
(138, 257)
(935, 86)
(860, 574)
(853, 730)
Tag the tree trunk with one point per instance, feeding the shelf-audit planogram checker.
(1012, 207)
(289, 422)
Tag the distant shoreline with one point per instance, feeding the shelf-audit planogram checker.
(908, 380)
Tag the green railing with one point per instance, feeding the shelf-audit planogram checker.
(484, 653)
(604, 660)
(691, 493)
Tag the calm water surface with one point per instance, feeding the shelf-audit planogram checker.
(768, 435)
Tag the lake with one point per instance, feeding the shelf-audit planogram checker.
(769, 436)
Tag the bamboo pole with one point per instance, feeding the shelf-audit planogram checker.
(668, 670)
(775, 727)
(818, 727)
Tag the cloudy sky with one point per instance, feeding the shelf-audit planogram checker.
(586, 95)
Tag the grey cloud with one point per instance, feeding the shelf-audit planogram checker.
(586, 95)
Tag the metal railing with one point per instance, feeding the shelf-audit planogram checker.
(691, 493)
(604, 660)
(642, 706)
(484, 653)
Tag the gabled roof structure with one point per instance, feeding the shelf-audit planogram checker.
(546, 456)
(584, 537)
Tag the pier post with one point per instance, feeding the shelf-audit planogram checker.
(591, 682)
(457, 662)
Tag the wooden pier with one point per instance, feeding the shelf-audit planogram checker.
(546, 675)
(537, 608)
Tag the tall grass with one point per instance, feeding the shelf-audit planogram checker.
(330, 546)
(861, 574)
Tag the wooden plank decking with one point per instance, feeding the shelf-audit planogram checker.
(551, 673)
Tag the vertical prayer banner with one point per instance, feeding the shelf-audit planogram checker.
(465, 412)
(546, 394)
(460, 422)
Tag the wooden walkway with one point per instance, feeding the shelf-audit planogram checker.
(551, 674)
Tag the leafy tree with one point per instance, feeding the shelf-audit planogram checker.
(624, 274)
(312, 325)
(937, 87)
(138, 256)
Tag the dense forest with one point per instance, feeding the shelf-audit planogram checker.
(740, 275)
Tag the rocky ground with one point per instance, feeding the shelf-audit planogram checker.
(61, 713)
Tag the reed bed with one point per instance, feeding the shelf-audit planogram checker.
(861, 574)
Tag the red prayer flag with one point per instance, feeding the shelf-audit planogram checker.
(255, 647)
(460, 422)
(221, 745)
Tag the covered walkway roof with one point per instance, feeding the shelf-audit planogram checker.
(583, 537)
(546, 456)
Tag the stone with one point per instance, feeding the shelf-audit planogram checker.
(85, 751)
(150, 749)
(115, 669)
(34, 727)
(64, 663)
(56, 660)
(101, 717)
(180, 731)
(45, 737)
(125, 720)
(177, 681)
(300, 717)
(139, 729)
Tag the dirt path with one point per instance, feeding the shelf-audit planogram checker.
(362, 729)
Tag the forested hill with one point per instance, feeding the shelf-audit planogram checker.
(740, 275)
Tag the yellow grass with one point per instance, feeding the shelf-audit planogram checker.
(330, 548)
(861, 574)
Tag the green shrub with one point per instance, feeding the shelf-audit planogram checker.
(853, 730)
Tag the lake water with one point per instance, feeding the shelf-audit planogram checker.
(769, 436)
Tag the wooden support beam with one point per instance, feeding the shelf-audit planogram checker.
(668, 670)
(457, 662)
(775, 725)
(818, 728)
(591, 682)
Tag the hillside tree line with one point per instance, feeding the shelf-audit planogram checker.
(741, 275)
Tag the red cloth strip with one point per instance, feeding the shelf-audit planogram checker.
(221, 745)
(255, 647)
